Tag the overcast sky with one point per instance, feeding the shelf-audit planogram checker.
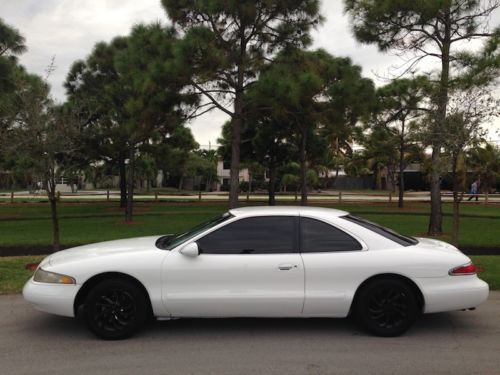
(68, 29)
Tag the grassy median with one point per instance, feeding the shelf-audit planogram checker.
(29, 224)
(13, 273)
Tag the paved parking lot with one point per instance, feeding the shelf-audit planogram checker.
(458, 343)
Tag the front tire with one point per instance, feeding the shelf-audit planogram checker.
(115, 309)
(386, 307)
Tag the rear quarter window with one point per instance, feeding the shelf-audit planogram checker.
(382, 231)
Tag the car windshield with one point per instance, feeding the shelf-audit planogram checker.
(170, 241)
(383, 231)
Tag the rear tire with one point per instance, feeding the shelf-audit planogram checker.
(386, 307)
(115, 309)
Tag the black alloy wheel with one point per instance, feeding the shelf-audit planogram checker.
(386, 307)
(115, 309)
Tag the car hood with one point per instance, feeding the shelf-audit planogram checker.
(103, 249)
(436, 244)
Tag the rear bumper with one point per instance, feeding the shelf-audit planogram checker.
(452, 293)
(51, 298)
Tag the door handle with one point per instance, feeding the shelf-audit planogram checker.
(286, 267)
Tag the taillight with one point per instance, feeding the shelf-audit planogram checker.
(466, 269)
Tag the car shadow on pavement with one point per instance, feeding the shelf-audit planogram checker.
(68, 328)
(433, 324)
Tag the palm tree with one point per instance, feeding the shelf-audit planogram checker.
(485, 162)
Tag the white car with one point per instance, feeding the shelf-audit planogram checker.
(259, 262)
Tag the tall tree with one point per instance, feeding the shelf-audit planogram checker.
(290, 91)
(133, 97)
(154, 103)
(211, 157)
(225, 45)
(485, 161)
(398, 104)
(93, 86)
(45, 135)
(314, 94)
(380, 154)
(12, 44)
(264, 140)
(351, 98)
(427, 28)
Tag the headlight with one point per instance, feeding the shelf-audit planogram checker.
(43, 276)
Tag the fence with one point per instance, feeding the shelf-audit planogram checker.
(326, 197)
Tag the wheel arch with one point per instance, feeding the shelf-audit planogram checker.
(96, 279)
(394, 276)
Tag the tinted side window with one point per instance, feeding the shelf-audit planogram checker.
(319, 237)
(258, 235)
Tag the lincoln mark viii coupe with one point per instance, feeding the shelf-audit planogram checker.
(259, 262)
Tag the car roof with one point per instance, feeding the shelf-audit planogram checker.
(286, 210)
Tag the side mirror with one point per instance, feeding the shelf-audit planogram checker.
(190, 250)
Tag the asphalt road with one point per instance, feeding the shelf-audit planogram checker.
(457, 342)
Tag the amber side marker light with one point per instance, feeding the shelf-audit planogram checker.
(463, 270)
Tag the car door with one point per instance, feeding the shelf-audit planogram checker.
(248, 267)
(335, 262)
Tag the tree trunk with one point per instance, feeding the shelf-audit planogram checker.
(56, 243)
(334, 183)
(52, 195)
(181, 181)
(208, 183)
(130, 192)
(436, 217)
(234, 188)
(391, 175)
(250, 178)
(237, 123)
(272, 184)
(456, 202)
(378, 180)
(401, 166)
(331, 182)
(123, 181)
(456, 219)
(303, 169)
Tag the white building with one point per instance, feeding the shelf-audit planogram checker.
(223, 175)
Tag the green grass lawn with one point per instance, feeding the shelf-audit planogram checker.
(86, 223)
(13, 274)
(29, 224)
(491, 266)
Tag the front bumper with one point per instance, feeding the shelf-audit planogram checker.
(452, 293)
(55, 299)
